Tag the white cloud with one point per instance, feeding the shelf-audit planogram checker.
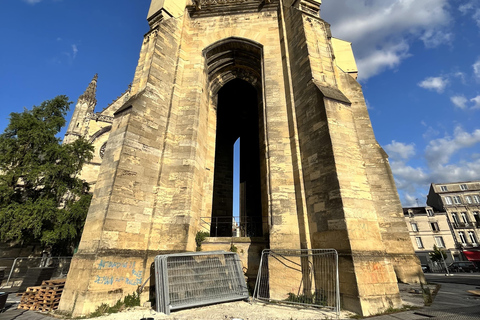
(413, 180)
(459, 102)
(476, 68)
(381, 31)
(434, 38)
(379, 60)
(32, 1)
(462, 76)
(476, 17)
(476, 100)
(439, 151)
(466, 104)
(74, 50)
(399, 150)
(465, 8)
(434, 83)
(430, 133)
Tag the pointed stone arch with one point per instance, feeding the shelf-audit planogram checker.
(232, 58)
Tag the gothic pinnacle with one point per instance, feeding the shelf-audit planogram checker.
(90, 93)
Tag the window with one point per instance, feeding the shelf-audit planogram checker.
(463, 187)
(455, 217)
(477, 217)
(434, 226)
(457, 200)
(476, 199)
(443, 188)
(468, 199)
(430, 212)
(464, 217)
(419, 242)
(414, 227)
(471, 235)
(439, 242)
(448, 200)
(463, 240)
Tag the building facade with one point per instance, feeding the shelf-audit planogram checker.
(461, 202)
(428, 228)
(313, 175)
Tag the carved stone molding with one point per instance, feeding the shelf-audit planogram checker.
(202, 3)
(311, 7)
(215, 7)
(99, 117)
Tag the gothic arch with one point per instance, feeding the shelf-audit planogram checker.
(233, 58)
(99, 133)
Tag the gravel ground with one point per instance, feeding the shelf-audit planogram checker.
(241, 310)
(228, 311)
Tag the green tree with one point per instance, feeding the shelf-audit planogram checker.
(437, 253)
(41, 197)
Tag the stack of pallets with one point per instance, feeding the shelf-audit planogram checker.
(43, 298)
(29, 298)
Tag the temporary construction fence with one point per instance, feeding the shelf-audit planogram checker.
(187, 280)
(299, 277)
(22, 272)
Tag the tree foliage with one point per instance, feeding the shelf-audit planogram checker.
(437, 253)
(41, 197)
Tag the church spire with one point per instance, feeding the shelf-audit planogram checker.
(90, 94)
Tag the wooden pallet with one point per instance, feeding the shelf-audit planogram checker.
(43, 298)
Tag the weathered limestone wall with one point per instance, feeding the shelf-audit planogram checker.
(383, 190)
(122, 225)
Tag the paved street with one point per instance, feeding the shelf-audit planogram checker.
(459, 278)
(453, 302)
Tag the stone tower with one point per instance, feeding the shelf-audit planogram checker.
(85, 105)
(312, 173)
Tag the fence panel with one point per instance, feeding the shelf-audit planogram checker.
(16, 270)
(193, 279)
(299, 277)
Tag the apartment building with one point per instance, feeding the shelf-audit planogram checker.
(461, 202)
(428, 227)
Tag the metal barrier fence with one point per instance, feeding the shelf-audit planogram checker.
(299, 277)
(17, 269)
(187, 280)
(230, 226)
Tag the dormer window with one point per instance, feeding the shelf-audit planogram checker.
(430, 213)
(443, 188)
(463, 187)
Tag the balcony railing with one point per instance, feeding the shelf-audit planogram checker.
(228, 226)
(463, 225)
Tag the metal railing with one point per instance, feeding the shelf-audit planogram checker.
(185, 280)
(463, 225)
(16, 269)
(299, 277)
(229, 226)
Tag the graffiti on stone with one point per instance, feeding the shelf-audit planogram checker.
(134, 279)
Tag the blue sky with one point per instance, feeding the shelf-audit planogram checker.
(419, 64)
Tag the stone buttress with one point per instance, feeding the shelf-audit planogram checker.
(324, 180)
